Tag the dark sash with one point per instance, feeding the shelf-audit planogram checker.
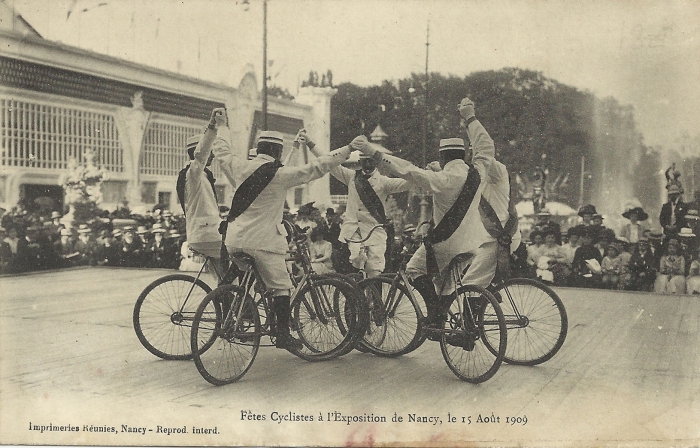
(452, 219)
(502, 234)
(182, 179)
(251, 188)
(369, 197)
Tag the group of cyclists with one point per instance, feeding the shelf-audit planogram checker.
(472, 210)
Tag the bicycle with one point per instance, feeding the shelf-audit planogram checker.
(535, 317)
(164, 311)
(472, 337)
(227, 327)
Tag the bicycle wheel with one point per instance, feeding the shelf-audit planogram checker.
(326, 318)
(225, 335)
(163, 315)
(536, 320)
(394, 327)
(473, 317)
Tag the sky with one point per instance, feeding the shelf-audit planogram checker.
(643, 53)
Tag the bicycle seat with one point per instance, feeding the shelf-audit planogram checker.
(243, 260)
(196, 252)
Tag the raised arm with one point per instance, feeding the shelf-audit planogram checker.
(204, 147)
(483, 148)
(344, 175)
(299, 175)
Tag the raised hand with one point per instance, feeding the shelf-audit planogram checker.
(466, 108)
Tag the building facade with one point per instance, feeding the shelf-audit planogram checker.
(57, 103)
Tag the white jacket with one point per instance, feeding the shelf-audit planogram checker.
(201, 210)
(445, 187)
(260, 226)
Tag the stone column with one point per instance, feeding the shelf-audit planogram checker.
(318, 127)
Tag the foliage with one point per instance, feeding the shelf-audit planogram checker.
(532, 120)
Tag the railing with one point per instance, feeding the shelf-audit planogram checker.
(163, 151)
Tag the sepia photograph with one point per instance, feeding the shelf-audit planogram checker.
(301, 223)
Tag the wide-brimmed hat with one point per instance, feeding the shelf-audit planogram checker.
(451, 143)
(544, 212)
(588, 209)
(686, 232)
(83, 228)
(55, 215)
(142, 230)
(128, 229)
(641, 214)
(166, 213)
(157, 228)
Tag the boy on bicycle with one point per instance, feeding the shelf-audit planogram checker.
(255, 219)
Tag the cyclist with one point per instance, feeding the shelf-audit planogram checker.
(195, 187)
(255, 219)
(368, 192)
(499, 233)
(456, 188)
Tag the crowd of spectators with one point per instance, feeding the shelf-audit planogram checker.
(589, 255)
(664, 260)
(38, 240)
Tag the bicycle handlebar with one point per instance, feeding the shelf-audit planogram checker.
(347, 240)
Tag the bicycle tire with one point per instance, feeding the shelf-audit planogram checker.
(400, 329)
(474, 360)
(538, 334)
(363, 312)
(161, 323)
(225, 344)
(319, 330)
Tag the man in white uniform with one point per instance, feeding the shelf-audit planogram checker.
(255, 220)
(368, 192)
(195, 187)
(456, 184)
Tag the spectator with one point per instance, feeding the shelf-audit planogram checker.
(586, 213)
(570, 247)
(672, 217)
(626, 256)
(671, 278)
(86, 247)
(642, 267)
(142, 237)
(533, 250)
(130, 250)
(586, 265)
(692, 220)
(634, 229)
(545, 224)
(13, 251)
(320, 252)
(693, 279)
(551, 264)
(64, 249)
(612, 267)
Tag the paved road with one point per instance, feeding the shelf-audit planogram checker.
(628, 373)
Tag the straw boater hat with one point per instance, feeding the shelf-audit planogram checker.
(84, 229)
(451, 143)
(157, 228)
(409, 229)
(128, 229)
(116, 233)
(686, 232)
(641, 214)
(271, 137)
(193, 141)
(142, 230)
(587, 210)
(55, 215)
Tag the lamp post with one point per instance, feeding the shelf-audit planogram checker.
(246, 5)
